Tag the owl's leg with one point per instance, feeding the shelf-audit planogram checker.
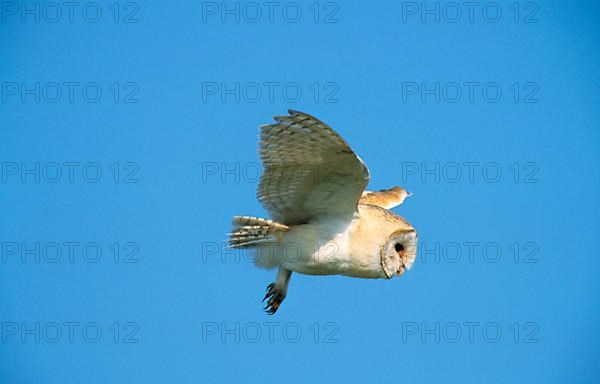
(276, 291)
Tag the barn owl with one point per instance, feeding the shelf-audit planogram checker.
(323, 222)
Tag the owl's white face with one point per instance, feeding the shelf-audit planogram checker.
(399, 252)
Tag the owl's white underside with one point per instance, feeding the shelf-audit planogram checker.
(320, 248)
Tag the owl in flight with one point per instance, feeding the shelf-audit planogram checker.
(323, 220)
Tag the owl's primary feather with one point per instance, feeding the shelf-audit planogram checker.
(324, 223)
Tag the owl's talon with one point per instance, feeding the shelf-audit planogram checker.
(270, 289)
(275, 297)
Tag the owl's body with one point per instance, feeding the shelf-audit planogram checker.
(336, 245)
(324, 222)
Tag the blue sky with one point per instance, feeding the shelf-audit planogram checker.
(128, 142)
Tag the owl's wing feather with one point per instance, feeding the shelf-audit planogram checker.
(309, 170)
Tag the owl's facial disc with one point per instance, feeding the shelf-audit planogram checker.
(399, 252)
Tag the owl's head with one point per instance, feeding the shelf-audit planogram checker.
(399, 252)
(401, 193)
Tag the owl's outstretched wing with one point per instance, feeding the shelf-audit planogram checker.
(387, 198)
(310, 170)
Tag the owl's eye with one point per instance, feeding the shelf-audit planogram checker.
(399, 247)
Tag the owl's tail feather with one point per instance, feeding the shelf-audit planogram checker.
(249, 231)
